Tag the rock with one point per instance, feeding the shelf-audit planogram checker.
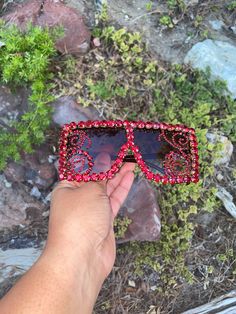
(87, 8)
(216, 24)
(142, 208)
(35, 192)
(227, 148)
(15, 172)
(67, 110)
(219, 56)
(14, 203)
(34, 168)
(190, 3)
(16, 261)
(227, 200)
(48, 13)
(11, 105)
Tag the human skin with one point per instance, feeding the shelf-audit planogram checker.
(80, 249)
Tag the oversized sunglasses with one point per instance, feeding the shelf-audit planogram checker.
(165, 153)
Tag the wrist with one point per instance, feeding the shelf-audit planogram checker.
(80, 274)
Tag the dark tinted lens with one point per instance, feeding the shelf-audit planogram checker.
(85, 146)
(165, 152)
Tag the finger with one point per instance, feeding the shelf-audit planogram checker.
(114, 182)
(119, 195)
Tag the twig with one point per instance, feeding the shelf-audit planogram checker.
(146, 14)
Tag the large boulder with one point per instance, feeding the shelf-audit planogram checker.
(219, 56)
(76, 39)
(142, 209)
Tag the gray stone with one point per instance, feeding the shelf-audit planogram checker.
(191, 2)
(67, 110)
(219, 56)
(216, 24)
(35, 168)
(142, 208)
(11, 105)
(227, 148)
(35, 192)
(227, 200)
(14, 203)
(17, 261)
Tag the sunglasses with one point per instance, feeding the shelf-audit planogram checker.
(165, 153)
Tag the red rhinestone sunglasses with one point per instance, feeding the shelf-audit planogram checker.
(165, 153)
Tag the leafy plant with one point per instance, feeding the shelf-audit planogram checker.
(25, 58)
(166, 21)
(231, 6)
(149, 5)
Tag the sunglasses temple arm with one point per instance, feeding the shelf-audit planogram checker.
(132, 159)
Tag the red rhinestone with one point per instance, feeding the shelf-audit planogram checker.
(118, 123)
(164, 180)
(114, 168)
(96, 124)
(110, 175)
(110, 123)
(89, 124)
(81, 124)
(73, 125)
(195, 179)
(148, 125)
(86, 178)
(90, 164)
(94, 177)
(157, 178)
(193, 144)
(149, 175)
(103, 123)
(61, 176)
(126, 123)
(63, 153)
(140, 124)
(69, 177)
(179, 180)
(191, 130)
(172, 180)
(102, 176)
(78, 177)
(118, 162)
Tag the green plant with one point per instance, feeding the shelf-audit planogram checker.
(24, 61)
(166, 21)
(149, 5)
(198, 20)
(121, 226)
(231, 6)
(176, 5)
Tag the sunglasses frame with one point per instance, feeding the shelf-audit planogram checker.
(129, 126)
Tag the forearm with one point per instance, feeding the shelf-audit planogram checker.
(55, 284)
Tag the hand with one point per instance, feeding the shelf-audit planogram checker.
(82, 214)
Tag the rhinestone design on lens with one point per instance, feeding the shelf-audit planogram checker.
(180, 164)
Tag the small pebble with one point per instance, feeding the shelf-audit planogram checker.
(35, 192)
